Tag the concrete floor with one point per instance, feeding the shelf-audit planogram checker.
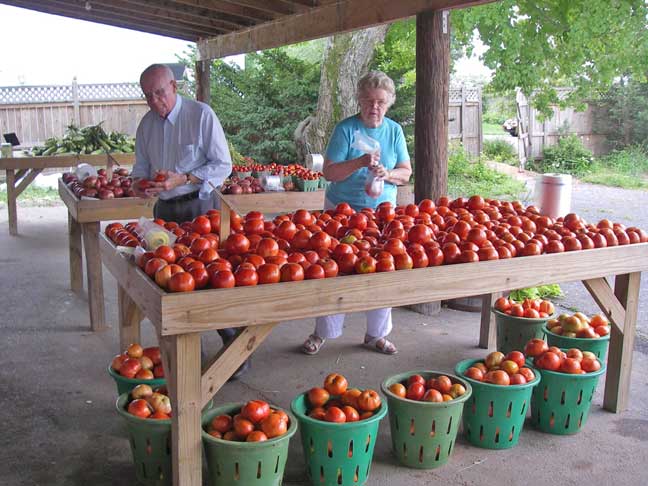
(59, 425)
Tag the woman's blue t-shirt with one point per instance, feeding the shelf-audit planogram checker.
(393, 150)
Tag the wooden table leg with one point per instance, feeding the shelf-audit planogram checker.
(181, 354)
(76, 254)
(619, 362)
(130, 318)
(11, 202)
(488, 329)
(95, 279)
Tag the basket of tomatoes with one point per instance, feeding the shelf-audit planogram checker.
(137, 365)
(561, 404)
(425, 409)
(517, 322)
(247, 443)
(494, 414)
(338, 427)
(581, 332)
(147, 414)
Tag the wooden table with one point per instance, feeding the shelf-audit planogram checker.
(179, 319)
(84, 221)
(21, 171)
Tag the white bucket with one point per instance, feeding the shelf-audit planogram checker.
(555, 191)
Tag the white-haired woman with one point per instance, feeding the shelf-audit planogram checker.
(346, 168)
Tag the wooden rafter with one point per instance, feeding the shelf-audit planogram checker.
(328, 19)
(219, 7)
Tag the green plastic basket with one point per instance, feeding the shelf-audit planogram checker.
(337, 454)
(242, 175)
(561, 404)
(514, 332)
(150, 442)
(125, 385)
(323, 183)
(494, 415)
(307, 185)
(598, 346)
(245, 463)
(423, 433)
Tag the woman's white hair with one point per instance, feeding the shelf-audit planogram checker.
(377, 80)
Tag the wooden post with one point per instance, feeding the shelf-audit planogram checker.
(95, 280)
(480, 132)
(432, 85)
(76, 254)
(11, 202)
(203, 92)
(75, 101)
(130, 318)
(464, 114)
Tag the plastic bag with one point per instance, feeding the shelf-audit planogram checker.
(373, 185)
(154, 235)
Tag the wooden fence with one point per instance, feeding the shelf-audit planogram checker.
(36, 113)
(565, 121)
(465, 117)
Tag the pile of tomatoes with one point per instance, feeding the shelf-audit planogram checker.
(500, 369)
(336, 402)
(102, 186)
(148, 403)
(435, 389)
(139, 363)
(578, 325)
(529, 308)
(255, 422)
(311, 245)
(552, 358)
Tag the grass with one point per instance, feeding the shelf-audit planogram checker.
(627, 168)
(493, 129)
(35, 196)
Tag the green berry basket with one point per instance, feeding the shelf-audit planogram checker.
(561, 404)
(150, 442)
(337, 454)
(242, 175)
(494, 415)
(514, 332)
(306, 185)
(323, 183)
(125, 385)
(423, 433)
(245, 463)
(598, 346)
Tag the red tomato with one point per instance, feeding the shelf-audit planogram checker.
(517, 357)
(535, 347)
(415, 391)
(369, 401)
(221, 423)
(237, 244)
(335, 414)
(291, 272)
(335, 384)
(497, 377)
(140, 408)
(351, 413)
(255, 411)
(398, 389)
(432, 395)
(317, 397)
(268, 273)
(474, 373)
(245, 276)
(166, 253)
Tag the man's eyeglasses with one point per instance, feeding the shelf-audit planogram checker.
(158, 93)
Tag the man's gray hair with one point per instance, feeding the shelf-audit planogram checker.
(168, 72)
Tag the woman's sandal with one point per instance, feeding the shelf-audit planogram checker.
(312, 344)
(380, 344)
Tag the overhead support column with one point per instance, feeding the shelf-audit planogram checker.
(203, 85)
(432, 86)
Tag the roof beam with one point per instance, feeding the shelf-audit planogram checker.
(223, 7)
(274, 6)
(170, 13)
(131, 23)
(328, 19)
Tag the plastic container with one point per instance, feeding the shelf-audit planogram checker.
(598, 346)
(307, 185)
(337, 454)
(323, 183)
(555, 191)
(561, 404)
(150, 442)
(242, 175)
(423, 433)
(6, 150)
(245, 463)
(125, 385)
(514, 332)
(494, 415)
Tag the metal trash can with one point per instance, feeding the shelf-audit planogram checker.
(554, 193)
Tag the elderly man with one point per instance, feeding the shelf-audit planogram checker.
(182, 140)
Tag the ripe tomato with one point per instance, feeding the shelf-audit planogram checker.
(221, 423)
(497, 377)
(528, 373)
(291, 272)
(535, 347)
(183, 282)
(256, 436)
(369, 400)
(140, 408)
(245, 276)
(201, 225)
(517, 357)
(432, 395)
(237, 244)
(415, 391)
(335, 384)
(166, 253)
(335, 414)
(268, 273)
(398, 389)
(255, 411)
(317, 396)
(242, 427)
(474, 373)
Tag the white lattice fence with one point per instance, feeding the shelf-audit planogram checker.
(20, 95)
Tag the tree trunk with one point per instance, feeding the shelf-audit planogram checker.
(346, 59)
(432, 85)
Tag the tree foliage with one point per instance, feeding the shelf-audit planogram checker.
(261, 105)
(536, 46)
(624, 114)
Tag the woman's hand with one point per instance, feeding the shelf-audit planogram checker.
(379, 171)
(371, 160)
